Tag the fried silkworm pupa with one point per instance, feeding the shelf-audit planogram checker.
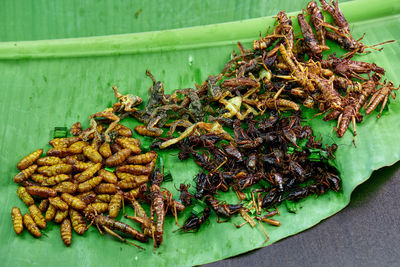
(44, 204)
(108, 177)
(25, 174)
(88, 173)
(31, 225)
(64, 142)
(92, 154)
(99, 207)
(55, 169)
(58, 152)
(105, 188)
(115, 147)
(142, 130)
(58, 203)
(87, 197)
(77, 148)
(73, 201)
(123, 130)
(115, 205)
(37, 216)
(78, 223)
(119, 157)
(136, 169)
(89, 184)
(48, 161)
(131, 184)
(66, 232)
(76, 129)
(50, 213)
(17, 220)
(129, 143)
(38, 178)
(60, 216)
(40, 191)
(25, 196)
(56, 179)
(66, 187)
(105, 150)
(142, 158)
(29, 159)
(105, 198)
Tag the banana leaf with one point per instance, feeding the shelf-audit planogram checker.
(55, 83)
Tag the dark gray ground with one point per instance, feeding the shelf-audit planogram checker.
(365, 233)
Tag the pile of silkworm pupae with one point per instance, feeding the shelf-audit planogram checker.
(83, 177)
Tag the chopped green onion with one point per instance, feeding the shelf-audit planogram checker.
(60, 132)
(110, 169)
(291, 206)
(168, 177)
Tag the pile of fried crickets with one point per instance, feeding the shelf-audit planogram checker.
(269, 159)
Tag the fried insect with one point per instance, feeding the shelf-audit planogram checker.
(142, 130)
(140, 217)
(309, 38)
(106, 198)
(135, 169)
(193, 223)
(64, 142)
(108, 225)
(129, 143)
(381, 96)
(17, 220)
(25, 196)
(78, 223)
(77, 164)
(87, 197)
(76, 129)
(73, 202)
(157, 207)
(115, 205)
(77, 147)
(48, 161)
(119, 157)
(44, 204)
(53, 180)
(29, 159)
(66, 187)
(31, 225)
(89, 184)
(58, 152)
(185, 197)
(38, 178)
(58, 203)
(37, 216)
(105, 150)
(50, 213)
(106, 188)
(92, 154)
(55, 169)
(108, 177)
(316, 18)
(88, 173)
(142, 158)
(66, 231)
(99, 207)
(25, 174)
(133, 183)
(60, 215)
(41, 191)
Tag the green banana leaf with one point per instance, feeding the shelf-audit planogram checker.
(58, 82)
